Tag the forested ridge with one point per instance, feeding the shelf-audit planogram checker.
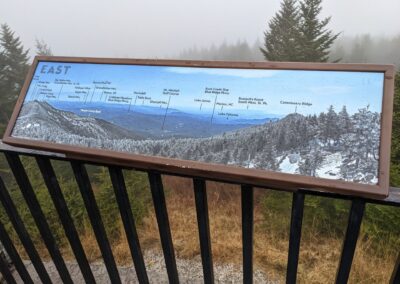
(331, 145)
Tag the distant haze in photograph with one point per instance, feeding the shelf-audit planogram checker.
(316, 123)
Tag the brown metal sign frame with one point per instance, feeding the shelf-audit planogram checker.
(256, 177)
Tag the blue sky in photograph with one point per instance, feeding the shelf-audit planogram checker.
(277, 91)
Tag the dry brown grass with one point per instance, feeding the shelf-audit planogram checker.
(319, 256)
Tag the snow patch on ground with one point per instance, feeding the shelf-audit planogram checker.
(29, 125)
(251, 165)
(330, 168)
(287, 167)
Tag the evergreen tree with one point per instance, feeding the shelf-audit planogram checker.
(337, 52)
(281, 144)
(3, 89)
(316, 39)
(225, 157)
(360, 161)
(13, 68)
(395, 153)
(297, 34)
(281, 41)
(241, 50)
(359, 52)
(310, 164)
(267, 159)
(344, 120)
(331, 129)
(322, 118)
(42, 48)
(367, 125)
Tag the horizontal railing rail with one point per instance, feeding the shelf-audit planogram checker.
(43, 160)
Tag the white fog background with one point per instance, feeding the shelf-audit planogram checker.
(144, 29)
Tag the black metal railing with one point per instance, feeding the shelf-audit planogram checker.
(43, 160)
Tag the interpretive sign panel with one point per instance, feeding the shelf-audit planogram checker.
(292, 124)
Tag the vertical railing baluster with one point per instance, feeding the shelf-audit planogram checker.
(38, 216)
(200, 194)
(23, 235)
(247, 232)
(117, 179)
(295, 236)
(89, 200)
(395, 278)
(350, 241)
(67, 222)
(160, 207)
(5, 270)
(14, 256)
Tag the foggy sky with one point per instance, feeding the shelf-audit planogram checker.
(140, 29)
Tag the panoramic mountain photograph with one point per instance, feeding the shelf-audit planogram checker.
(323, 124)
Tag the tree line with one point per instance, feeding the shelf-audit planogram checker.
(349, 144)
(14, 65)
(346, 49)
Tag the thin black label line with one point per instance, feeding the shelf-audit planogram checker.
(165, 115)
(59, 93)
(215, 102)
(87, 95)
(92, 96)
(134, 104)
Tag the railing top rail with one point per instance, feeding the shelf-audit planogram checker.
(392, 200)
(25, 151)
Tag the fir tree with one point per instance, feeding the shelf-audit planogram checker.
(322, 118)
(225, 157)
(345, 124)
(266, 159)
(395, 153)
(367, 126)
(297, 34)
(359, 52)
(281, 41)
(13, 68)
(331, 130)
(42, 48)
(281, 144)
(3, 93)
(315, 39)
(310, 164)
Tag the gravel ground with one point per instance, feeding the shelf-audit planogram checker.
(190, 271)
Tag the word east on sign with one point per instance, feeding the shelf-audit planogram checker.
(60, 69)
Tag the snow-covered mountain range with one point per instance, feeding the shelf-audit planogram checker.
(331, 145)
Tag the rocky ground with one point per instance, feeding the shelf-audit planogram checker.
(190, 271)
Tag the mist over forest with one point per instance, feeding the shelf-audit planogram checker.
(363, 48)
